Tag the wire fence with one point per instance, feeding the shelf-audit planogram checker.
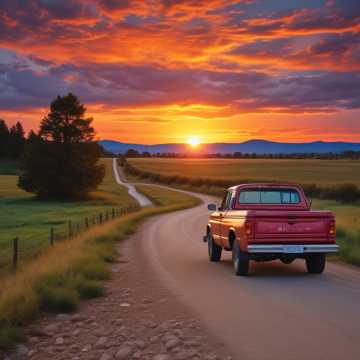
(18, 250)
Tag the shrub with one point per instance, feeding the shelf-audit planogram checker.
(58, 299)
(86, 288)
(55, 295)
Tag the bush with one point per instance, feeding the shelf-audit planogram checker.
(346, 193)
(55, 295)
(58, 299)
(87, 289)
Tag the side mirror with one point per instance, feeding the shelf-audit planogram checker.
(211, 207)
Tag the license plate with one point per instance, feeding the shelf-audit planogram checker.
(293, 249)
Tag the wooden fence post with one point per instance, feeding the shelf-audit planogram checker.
(100, 218)
(113, 213)
(86, 223)
(15, 252)
(52, 236)
(107, 215)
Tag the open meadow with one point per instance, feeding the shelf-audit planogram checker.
(29, 219)
(320, 172)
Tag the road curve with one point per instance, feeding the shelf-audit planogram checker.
(278, 312)
(140, 198)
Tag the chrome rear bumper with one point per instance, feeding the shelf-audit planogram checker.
(293, 249)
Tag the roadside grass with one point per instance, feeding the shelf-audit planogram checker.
(24, 216)
(348, 228)
(73, 269)
(155, 194)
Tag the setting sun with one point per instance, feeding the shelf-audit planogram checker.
(193, 141)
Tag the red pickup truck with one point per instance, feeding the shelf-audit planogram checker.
(265, 222)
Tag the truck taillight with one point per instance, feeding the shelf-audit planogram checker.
(332, 228)
(248, 228)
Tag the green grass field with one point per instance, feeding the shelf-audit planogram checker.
(321, 172)
(23, 216)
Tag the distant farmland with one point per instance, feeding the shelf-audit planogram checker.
(321, 172)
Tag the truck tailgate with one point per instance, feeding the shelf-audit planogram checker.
(288, 227)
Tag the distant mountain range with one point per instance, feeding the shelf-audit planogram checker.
(252, 146)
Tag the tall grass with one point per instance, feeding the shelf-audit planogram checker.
(71, 270)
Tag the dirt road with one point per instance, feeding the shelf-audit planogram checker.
(278, 312)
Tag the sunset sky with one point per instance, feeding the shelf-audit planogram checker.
(162, 71)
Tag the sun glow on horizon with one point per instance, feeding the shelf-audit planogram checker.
(193, 141)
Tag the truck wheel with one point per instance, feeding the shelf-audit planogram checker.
(315, 263)
(240, 260)
(214, 249)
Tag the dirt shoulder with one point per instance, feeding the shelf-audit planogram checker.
(138, 318)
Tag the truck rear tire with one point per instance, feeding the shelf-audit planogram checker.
(213, 249)
(315, 263)
(240, 260)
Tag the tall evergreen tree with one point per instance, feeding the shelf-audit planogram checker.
(62, 162)
(16, 140)
(4, 139)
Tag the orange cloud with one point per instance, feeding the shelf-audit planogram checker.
(148, 67)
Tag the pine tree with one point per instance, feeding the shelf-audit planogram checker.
(16, 140)
(4, 139)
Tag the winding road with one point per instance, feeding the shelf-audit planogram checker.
(278, 312)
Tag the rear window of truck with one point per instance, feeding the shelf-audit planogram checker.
(269, 196)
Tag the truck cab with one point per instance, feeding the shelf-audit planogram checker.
(263, 222)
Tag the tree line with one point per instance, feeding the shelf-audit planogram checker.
(349, 155)
(12, 140)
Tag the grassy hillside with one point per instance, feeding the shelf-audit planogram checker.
(25, 217)
(321, 172)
